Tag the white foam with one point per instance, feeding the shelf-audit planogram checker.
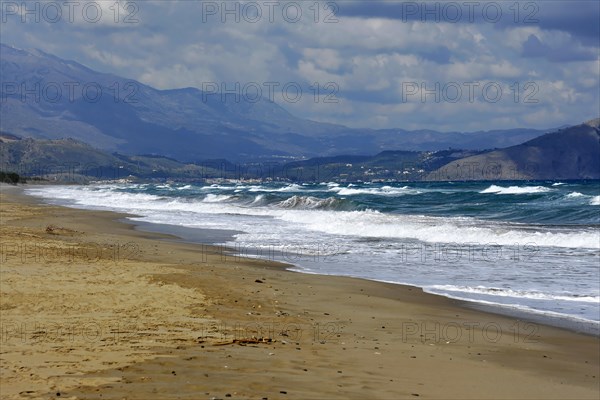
(503, 292)
(289, 188)
(515, 189)
(217, 187)
(216, 198)
(383, 191)
(593, 200)
(520, 307)
(435, 229)
(364, 224)
(101, 196)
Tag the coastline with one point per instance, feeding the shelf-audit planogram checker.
(356, 338)
(214, 237)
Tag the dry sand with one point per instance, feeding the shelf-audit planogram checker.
(93, 309)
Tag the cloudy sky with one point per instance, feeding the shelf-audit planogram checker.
(466, 65)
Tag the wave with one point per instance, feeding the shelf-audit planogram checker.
(383, 191)
(558, 184)
(217, 198)
(289, 188)
(591, 325)
(101, 196)
(462, 231)
(312, 203)
(593, 200)
(526, 294)
(330, 216)
(256, 188)
(259, 200)
(515, 189)
(217, 187)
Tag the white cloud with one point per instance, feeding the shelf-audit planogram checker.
(171, 46)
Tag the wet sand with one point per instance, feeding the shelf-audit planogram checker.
(92, 308)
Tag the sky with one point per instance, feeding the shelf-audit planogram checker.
(448, 66)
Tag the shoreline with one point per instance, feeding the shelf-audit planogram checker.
(213, 237)
(353, 337)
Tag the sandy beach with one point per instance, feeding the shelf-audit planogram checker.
(92, 308)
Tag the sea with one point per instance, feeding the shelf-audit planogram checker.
(529, 248)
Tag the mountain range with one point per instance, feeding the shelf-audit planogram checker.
(59, 117)
(569, 154)
(45, 97)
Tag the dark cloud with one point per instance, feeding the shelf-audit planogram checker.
(173, 46)
(579, 18)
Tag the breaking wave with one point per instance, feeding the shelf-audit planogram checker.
(314, 203)
(383, 191)
(515, 189)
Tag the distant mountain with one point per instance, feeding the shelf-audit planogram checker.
(46, 97)
(70, 160)
(570, 153)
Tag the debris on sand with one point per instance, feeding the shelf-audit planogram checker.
(243, 342)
